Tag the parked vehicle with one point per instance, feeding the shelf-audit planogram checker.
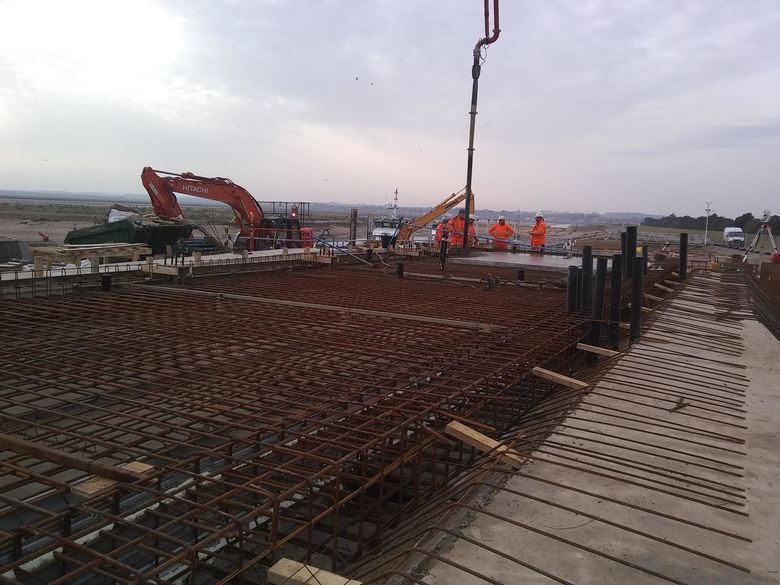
(734, 237)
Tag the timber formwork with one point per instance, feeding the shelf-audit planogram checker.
(305, 429)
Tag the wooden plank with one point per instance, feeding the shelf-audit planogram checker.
(673, 283)
(289, 572)
(92, 486)
(161, 269)
(559, 379)
(653, 297)
(137, 467)
(484, 443)
(662, 287)
(597, 350)
(644, 309)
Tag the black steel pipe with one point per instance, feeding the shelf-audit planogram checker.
(587, 275)
(623, 249)
(644, 258)
(476, 69)
(597, 309)
(571, 290)
(579, 288)
(628, 258)
(682, 267)
(636, 300)
(614, 300)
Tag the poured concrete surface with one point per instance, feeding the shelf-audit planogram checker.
(537, 261)
(716, 468)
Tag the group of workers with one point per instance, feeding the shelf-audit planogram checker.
(453, 231)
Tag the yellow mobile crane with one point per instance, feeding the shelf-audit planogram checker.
(405, 231)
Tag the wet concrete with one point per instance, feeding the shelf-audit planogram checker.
(519, 260)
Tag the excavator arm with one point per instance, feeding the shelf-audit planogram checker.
(406, 231)
(162, 192)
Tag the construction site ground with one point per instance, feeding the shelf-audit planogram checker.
(301, 413)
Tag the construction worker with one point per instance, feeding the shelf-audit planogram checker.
(440, 229)
(472, 231)
(538, 233)
(501, 232)
(457, 227)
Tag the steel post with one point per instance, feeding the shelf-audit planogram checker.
(614, 300)
(571, 290)
(644, 258)
(353, 219)
(682, 268)
(623, 249)
(587, 275)
(628, 258)
(636, 300)
(597, 310)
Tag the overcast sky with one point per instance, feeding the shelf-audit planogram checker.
(637, 105)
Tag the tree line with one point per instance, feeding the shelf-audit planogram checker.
(747, 221)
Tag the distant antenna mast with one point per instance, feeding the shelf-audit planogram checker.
(394, 208)
(475, 71)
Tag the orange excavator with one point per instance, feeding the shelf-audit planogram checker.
(256, 231)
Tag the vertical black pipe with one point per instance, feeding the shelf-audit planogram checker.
(353, 218)
(636, 300)
(614, 300)
(682, 268)
(579, 288)
(587, 275)
(597, 311)
(644, 259)
(623, 249)
(628, 259)
(571, 290)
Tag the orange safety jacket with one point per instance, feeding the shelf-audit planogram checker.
(501, 233)
(440, 232)
(456, 230)
(538, 233)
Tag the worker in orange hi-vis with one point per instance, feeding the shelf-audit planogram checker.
(472, 231)
(538, 233)
(440, 231)
(501, 232)
(457, 227)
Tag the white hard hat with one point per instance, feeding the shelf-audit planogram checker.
(539, 214)
(474, 218)
(500, 217)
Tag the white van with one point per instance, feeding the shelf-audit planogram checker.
(734, 237)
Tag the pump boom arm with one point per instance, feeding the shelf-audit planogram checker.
(406, 231)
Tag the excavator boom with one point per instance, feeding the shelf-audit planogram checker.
(162, 187)
(162, 191)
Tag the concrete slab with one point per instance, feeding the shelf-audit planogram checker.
(536, 261)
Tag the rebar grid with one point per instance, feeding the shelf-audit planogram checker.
(271, 429)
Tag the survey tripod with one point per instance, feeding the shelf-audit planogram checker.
(766, 230)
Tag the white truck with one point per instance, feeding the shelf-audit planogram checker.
(734, 237)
